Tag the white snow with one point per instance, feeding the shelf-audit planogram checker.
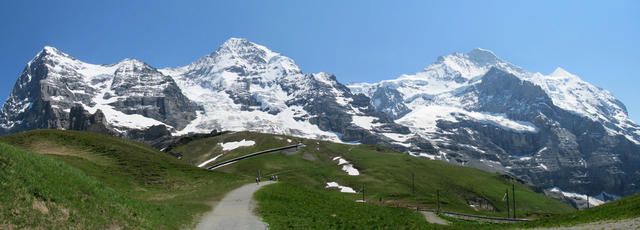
(434, 93)
(365, 122)
(236, 144)
(522, 158)
(222, 113)
(343, 189)
(593, 201)
(397, 137)
(425, 119)
(209, 161)
(346, 166)
(542, 166)
(424, 155)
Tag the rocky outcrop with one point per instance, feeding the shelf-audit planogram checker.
(80, 119)
(56, 91)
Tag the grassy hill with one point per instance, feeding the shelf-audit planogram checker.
(291, 206)
(624, 208)
(61, 197)
(385, 174)
(80, 180)
(92, 181)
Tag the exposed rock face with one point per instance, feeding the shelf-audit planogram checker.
(148, 92)
(56, 91)
(470, 109)
(566, 150)
(80, 119)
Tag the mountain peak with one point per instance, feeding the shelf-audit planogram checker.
(239, 44)
(561, 73)
(132, 61)
(243, 48)
(52, 51)
(131, 65)
(483, 56)
(236, 42)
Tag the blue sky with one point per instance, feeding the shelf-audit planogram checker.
(358, 41)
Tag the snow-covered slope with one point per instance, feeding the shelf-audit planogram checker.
(245, 86)
(436, 84)
(480, 111)
(54, 82)
(240, 86)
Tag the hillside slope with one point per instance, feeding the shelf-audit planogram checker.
(93, 181)
(40, 192)
(385, 174)
(624, 208)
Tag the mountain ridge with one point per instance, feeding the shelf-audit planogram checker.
(471, 109)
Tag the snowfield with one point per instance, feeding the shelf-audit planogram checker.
(592, 200)
(346, 166)
(236, 144)
(343, 189)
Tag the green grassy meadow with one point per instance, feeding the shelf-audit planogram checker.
(288, 206)
(156, 191)
(53, 179)
(385, 174)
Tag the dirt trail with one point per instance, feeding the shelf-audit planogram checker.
(234, 211)
(433, 218)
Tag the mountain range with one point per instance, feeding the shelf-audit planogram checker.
(473, 109)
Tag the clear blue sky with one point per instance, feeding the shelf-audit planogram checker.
(358, 41)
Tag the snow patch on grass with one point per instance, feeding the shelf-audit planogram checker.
(346, 166)
(209, 161)
(236, 144)
(343, 189)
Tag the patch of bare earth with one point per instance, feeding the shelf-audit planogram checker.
(40, 206)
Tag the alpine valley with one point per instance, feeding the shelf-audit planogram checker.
(555, 131)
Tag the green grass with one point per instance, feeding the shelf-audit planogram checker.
(170, 193)
(386, 174)
(288, 206)
(40, 191)
(85, 180)
(624, 208)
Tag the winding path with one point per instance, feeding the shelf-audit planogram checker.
(433, 218)
(234, 211)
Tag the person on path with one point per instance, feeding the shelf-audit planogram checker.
(257, 181)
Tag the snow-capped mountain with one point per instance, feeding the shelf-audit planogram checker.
(129, 95)
(552, 130)
(244, 85)
(240, 86)
(471, 109)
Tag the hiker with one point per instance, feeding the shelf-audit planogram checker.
(257, 181)
(276, 178)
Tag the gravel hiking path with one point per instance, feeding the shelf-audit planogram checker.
(433, 218)
(617, 224)
(234, 211)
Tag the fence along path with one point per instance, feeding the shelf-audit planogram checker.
(216, 165)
